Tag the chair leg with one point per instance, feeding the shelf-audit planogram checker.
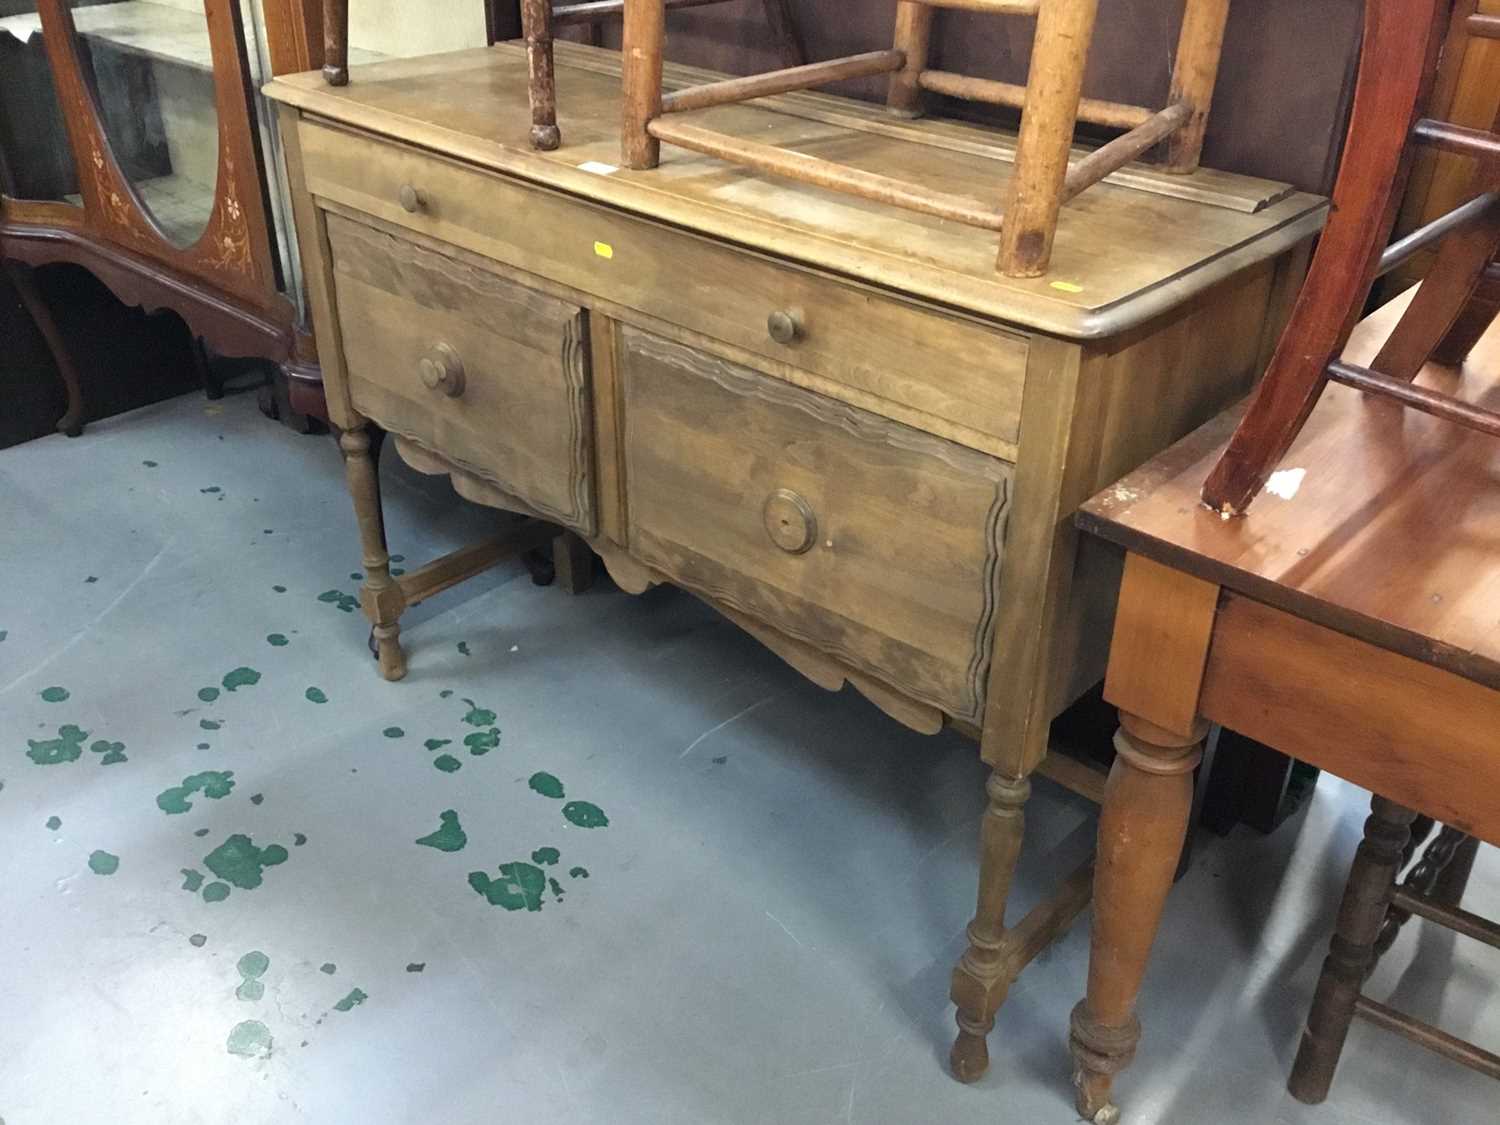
(536, 22)
(784, 29)
(641, 45)
(1482, 311)
(1054, 88)
(71, 423)
(1453, 880)
(1396, 70)
(336, 42)
(1366, 898)
(1446, 292)
(913, 37)
(1199, 49)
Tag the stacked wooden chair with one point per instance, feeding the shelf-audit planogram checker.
(1404, 40)
(1051, 104)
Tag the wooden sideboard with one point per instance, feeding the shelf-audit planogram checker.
(830, 419)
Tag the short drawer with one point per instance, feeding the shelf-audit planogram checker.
(966, 375)
(488, 374)
(875, 543)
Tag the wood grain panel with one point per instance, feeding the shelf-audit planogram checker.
(522, 420)
(898, 572)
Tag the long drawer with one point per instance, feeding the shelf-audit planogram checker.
(490, 375)
(960, 372)
(873, 542)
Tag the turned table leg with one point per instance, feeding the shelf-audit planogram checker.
(1366, 898)
(381, 595)
(984, 973)
(1141, 829)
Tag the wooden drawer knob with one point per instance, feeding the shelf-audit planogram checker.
(790, 521)
(785, 326)
(442, 370)
(413, 199)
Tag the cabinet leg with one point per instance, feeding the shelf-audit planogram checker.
(984, 973)
(573, 563)
(1141, 829)
(1453, 881)
(71, 423)
(381, 595)
(1361, 912)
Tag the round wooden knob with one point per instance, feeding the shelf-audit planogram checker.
(442, 370)
(790, 521)
(785, 325)
(412, 199)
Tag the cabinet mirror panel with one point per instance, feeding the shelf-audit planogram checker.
(35, 161)
(151, 69)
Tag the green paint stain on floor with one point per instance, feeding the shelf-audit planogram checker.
(238, 861)
(66, 747)
(356, 577)
(394, 732)
(397, 571)
(91, 578)
(585, 815)
(214, 784)
(478, 716)
(211, 489)
(298, 839)
(277, 640)
(398, 558)
(103, 863)
(192, 880)
(447, 763)
(112, 752)
(355, 998)
(149, 464)
(547, 856)
(437, 743)
(416, 966)
(55, 694)
(202, 746)
(209, 724)
(200, 832)
(330, 596)
(481, 742)
(198, 940)
(279, 589)
(519, 886)
(249, 1039)
(240, 677)
(252, 966)
(557, 889)
(578, 873)
(257, 798)
(54, 822)
(208, 694)
(315, 695)
(4, 633)
(449, 836)
(216, 892)
(463, 647)
(446, 693)
(546, 785)
(328, 967)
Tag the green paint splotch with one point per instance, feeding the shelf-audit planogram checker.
(436, 743)
(547, 785)
(447, 763)
(239, 862)
(578, 873)
(463, 647)
(277, 640)
(214, 784)
(66, 747)
(197, 941)
(298, 839)
(546, 856)
(249, 1039)
(315, 695)
(216, 892)
(103, 863)
(449, 836)
(415, 966)
(192, 880)
(55, 694)
(519, 886)
(280, 589)
(355, 998)
(481, 742)
(111, 753)
(252, 966)
(585, 815)
(240, 677)
(346, 602)
(54, 822)
(209, 724)
(328, 967)
(208, 694)
(394, 732)
(479, 716)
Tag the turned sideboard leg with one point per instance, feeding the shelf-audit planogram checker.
(984, 973)
(1367, 896)
(1141, 828)
(381, 595)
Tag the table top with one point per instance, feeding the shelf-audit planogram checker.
(1382, 523)
(1127, 250)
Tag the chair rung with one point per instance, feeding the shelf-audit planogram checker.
(1418, 398)
(1421, 238)
(565, 15)
(995, 7)
(1433, 1038)
(1459, 921)
(1457, 138)
(1483, 26)
(825, 173)
(1110, 158)
(1113, 115)
(782, 81)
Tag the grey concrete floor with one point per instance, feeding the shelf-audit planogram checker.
(768, 919)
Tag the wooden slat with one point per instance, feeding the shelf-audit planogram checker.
(782, 81)
(1049, 919)
(1460, 921)
(1110, 158)
(1418, 240)
(1418, 398)
(1433, 1038)
(1113, 115)
(454, 567)
(826, 174)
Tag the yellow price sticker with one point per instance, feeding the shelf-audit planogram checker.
(604, 250)
(1067, 287)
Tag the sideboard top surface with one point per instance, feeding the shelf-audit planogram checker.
(1127, 250)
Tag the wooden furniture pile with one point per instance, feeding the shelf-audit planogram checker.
(827, 415)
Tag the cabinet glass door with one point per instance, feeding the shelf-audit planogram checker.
(151, 69)
(35, 160)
